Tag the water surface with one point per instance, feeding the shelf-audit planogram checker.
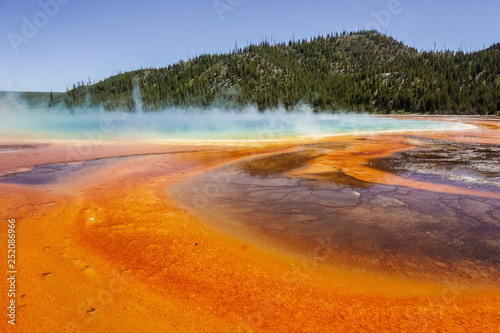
(210, 124)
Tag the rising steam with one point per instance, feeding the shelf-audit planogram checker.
(18, 121)
(137, 100)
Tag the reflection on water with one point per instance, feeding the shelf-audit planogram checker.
(337, 178)
(280, 164)
(277, 163)
(471, 165)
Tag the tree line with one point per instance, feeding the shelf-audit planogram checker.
(362, 71)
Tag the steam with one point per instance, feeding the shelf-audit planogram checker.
(18, 121)
(137, 99)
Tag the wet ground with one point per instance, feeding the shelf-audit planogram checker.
(18, 147)
(335, 218)
(50, 173)
(113, 231)
(470, 165)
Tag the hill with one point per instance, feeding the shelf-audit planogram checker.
(34, 98)
(363, 71)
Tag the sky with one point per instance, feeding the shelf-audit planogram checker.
(48, 45)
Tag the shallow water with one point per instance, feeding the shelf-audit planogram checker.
(470, 165)
(53, 173)
(19, 147)
(211, 124)
(337, 219)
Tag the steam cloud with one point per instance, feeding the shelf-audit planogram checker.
(19, 121)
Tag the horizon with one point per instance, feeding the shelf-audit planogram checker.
(51, 44)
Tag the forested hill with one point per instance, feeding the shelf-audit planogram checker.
(363, 71)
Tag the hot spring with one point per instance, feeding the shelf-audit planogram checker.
(18, 122)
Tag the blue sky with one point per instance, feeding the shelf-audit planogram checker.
(48, 45)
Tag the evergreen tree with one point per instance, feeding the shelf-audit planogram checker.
(363, 71)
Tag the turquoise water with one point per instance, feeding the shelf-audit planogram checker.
(212, 124)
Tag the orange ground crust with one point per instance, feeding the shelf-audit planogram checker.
(112, 253)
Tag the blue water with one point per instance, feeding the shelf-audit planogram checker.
(211, 124)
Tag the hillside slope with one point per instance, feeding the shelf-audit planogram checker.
(363, 71)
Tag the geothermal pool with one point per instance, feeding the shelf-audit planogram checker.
(398, 231)
(210, 124)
